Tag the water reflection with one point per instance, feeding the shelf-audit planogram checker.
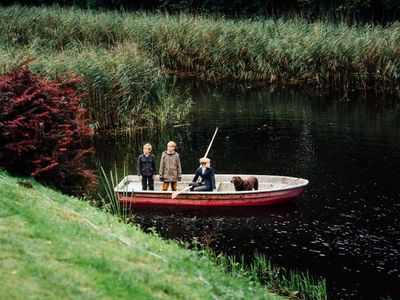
(219, 228)
(346, 227)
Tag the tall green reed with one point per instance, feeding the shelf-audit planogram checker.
(122, 84)
(110, 202)
(292, 51)
(124, 89)
(292, 284)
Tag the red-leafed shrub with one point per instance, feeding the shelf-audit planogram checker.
(43, 132)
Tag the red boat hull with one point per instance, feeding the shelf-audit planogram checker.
(261, 198)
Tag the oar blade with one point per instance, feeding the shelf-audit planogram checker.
(176, 193)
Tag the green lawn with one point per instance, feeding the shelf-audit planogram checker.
(53, 247)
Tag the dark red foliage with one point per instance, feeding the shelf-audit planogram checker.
(43, 131)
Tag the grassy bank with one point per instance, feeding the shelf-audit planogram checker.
(269, 51)
(54, 246)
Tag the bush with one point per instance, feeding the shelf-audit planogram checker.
(43, 132)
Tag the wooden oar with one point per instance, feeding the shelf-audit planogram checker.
(176, 193)
(212, 140)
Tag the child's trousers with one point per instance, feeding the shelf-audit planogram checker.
(148, 179)
(165, 185)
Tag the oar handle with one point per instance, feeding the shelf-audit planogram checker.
(209, 146)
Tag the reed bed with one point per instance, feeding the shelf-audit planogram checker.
(277, 51)
(125, 58)
(121, 87)
(291, 284)
(124, 88)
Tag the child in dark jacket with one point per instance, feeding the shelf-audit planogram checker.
(146, 167)
(206, 172)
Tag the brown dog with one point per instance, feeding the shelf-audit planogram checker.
(245, 185)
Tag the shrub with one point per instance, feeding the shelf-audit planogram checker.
(43, 132)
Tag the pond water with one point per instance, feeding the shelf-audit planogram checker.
(345, 227)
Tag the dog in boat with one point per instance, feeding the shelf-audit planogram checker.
(245, 184)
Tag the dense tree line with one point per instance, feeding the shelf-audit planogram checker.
(359, 10)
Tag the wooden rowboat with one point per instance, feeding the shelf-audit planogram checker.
(272, 190)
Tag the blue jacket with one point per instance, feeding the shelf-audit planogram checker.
(207, 179)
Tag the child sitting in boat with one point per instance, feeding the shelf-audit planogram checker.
(206, 172)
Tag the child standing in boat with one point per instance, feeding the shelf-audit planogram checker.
(170, 167)
(206, 172)
(146, 167)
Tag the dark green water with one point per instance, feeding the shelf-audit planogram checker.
(346, 225)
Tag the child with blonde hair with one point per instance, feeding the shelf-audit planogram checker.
(170, 167)
(206, 172)
(146, 167)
